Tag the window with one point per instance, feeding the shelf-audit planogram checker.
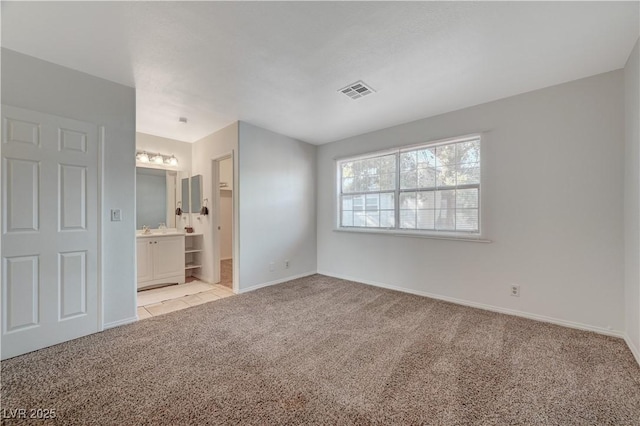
(431, 189)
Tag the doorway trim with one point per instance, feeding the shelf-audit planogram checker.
(235, 228)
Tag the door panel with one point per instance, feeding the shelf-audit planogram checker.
(50, 230)
(20, 295)
(22, 181)
(169, 257)
(144, 256)
(72, 284)
(17, 131)
(73, 197)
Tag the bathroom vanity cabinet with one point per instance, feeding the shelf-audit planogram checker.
(160, 259)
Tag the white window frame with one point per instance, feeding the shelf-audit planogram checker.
(476, 236)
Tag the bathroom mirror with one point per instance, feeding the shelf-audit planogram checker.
(186, 203)
(196, 193)
(157, 195)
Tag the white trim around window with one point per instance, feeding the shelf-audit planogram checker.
(430, 190)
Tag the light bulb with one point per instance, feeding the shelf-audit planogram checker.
(142, 157)
(173, 161)
(157, 159)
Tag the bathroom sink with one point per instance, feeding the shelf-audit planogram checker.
(155, 232)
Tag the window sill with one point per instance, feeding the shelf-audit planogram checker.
(395, 233)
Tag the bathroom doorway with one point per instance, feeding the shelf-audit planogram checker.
(223, 213)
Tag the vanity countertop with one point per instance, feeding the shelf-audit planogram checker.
(156, 233)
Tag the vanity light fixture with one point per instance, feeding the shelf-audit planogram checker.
(172, 161)
(144, 157)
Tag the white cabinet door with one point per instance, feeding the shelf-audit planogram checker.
(144, 254)
(168, 257)
(49, 230)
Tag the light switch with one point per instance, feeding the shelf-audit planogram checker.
(116, 215)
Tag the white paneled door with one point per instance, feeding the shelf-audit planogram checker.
(49, 230)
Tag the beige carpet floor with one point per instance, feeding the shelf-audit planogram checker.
(319, 350)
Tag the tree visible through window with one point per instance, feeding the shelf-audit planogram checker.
(433, 188)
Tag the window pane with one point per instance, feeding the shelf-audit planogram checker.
(467, 219)
(408, 200)
(359, 219)
(369, 174)
(387, 219)
(426, 157)
(427, 200)
(358, 202)
(426, 219)
(347, 185)
(445, 219)
(388, 164)
(388, 182)
(346, 169)
(372, 202)
(445, 199)
(445, 155)
(373, 183)
(372, 166)
(347, 203)
(426, 178)
(468, 152)
(445, 176)
(408, 180)
(347, 218)
(408, 161)
(468, 173)
(408, 219)
(467, 198)
(387, 201)
(373, 219)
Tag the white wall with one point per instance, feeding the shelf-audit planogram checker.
(552, 195)
(277, 206)
(34, 84)
(632, 200)
(226, 210)
(205, 150)
(226, 224)
(157, 144)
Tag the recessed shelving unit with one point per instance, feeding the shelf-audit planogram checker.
(192, 254)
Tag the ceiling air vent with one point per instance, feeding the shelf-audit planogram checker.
(357, 90)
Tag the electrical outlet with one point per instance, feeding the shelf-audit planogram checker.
(286, 264)
(515, 290)
(116, 215)
(272, 266)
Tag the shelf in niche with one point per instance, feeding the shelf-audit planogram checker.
(192, 266)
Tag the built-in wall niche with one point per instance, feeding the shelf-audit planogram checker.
(192, 194)
(158, 196)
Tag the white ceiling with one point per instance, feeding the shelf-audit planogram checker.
(279, 65)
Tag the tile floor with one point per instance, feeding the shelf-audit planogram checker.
(163, 300)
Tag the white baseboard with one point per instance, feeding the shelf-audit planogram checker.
(120, 322)
(543, 318)
(634, 350)
(282, 280)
